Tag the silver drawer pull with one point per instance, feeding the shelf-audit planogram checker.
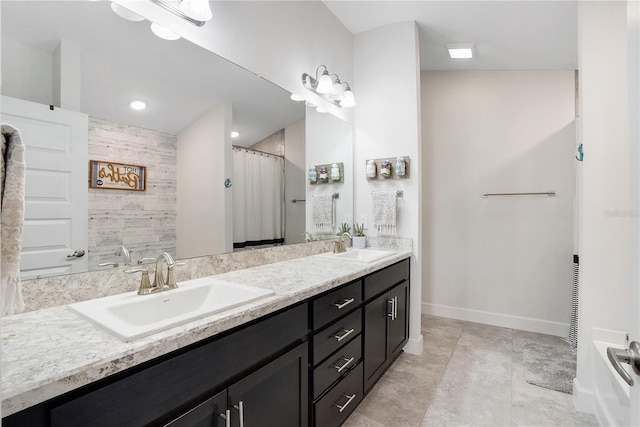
(349, 399)
(347, 332)
(392, 311)
(345, 302)
(227, 418)
(346, 363)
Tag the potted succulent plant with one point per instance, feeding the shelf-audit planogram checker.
(359, 240)
(344, 228)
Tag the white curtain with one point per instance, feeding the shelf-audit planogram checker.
(258, 198)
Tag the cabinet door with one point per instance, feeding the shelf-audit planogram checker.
(375, 339)
(207, 414)
(399, 321)
(275, 395)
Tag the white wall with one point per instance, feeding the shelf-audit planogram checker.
(204, 219)
(500, 260)
(278, 40)
(387, 124)
(329, 140)
(294, 175)
(30, 77)
(605, 243)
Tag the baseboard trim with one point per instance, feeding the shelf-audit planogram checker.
(414, 345)
(583, 398)
(498, 319)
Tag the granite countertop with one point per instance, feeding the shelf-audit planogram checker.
(49, 352)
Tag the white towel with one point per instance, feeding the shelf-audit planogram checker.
(323, 212)
(385, 207)
(12, 176)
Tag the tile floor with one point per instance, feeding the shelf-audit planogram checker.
(468, 375)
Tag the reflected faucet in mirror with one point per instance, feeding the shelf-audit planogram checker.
(124, 252)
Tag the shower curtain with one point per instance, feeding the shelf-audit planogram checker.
(258, 198)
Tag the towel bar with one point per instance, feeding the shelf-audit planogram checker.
(545, 193)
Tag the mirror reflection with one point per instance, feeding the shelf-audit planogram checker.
(93, 64)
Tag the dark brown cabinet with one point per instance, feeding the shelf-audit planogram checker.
(274, 395)
(310, 363)
(386, 321)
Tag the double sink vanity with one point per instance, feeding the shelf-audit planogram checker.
(292, 343)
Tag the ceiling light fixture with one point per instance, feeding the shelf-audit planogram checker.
(461, 50)
(330, 90)
(138, 105)
(196, 12)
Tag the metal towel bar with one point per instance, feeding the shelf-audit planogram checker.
(545, 193)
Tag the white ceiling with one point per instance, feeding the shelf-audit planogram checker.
(509, 35)
(179, 81)
(123, 60)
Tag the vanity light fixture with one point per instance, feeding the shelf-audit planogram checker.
(461, 50)
(335, 91)
(163, 33)
(196, 12)
(296, 98)
(125, 13)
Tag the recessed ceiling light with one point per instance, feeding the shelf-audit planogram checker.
(461, 50)
(138, 105)
(235, 134)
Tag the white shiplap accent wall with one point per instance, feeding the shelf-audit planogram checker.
(143, 221)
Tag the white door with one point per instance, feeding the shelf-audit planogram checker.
(633, 19)
(56, 217)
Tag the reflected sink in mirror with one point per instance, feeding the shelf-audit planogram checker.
(364, 255)
(131, 316)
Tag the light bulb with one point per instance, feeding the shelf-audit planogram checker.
(348, 100)
(196, 9)
(163, 33)
(235, 134)
(325, 83)
(125, 13)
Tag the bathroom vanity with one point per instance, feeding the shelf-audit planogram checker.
(305, 356)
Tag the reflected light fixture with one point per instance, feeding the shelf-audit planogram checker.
(334, 91)
(125, 13)
(461, 50)
(196, 12)
(235, 134)
(163, 33)
(296, 98)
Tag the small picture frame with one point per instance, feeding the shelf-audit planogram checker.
(117, 176)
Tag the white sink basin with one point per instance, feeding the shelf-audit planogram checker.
(364, 255)
(130, 316)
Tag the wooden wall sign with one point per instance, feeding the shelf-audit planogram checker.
(117, 176)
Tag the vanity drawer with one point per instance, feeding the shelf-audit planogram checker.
(336, 303)
(336, 335)
(334, 408)
(337, 365)
(386, 278)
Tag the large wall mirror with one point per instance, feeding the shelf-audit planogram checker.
(116, 61)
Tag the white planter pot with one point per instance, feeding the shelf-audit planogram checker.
(359, 242)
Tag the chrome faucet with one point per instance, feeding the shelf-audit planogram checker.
(159, 283)
(339, 246)
(158, 280)
(122, 251)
